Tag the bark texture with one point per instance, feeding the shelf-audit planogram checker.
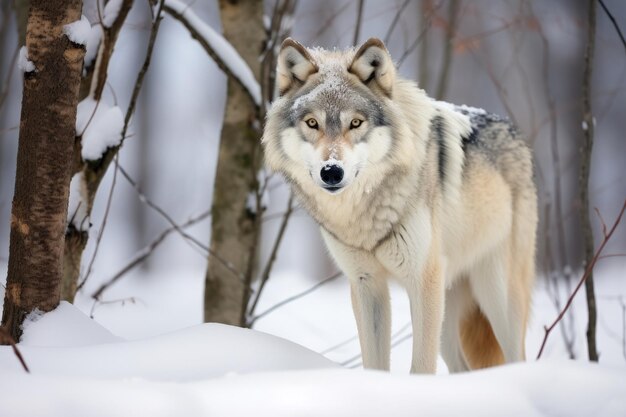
(234, 231)
(44, 163)
(585, 167)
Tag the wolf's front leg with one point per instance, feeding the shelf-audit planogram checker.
(370, 302)
(413, 254)
(426, 295)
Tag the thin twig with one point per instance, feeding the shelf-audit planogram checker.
(144, 68)
(617, 28)
(395, 20)
(563, 261)
(587, 273)
(328, 22)
(359, 20)
(394, 344)
(144, 199)
(6, 339)
(270, 263)
(101, 232)
(294, 297)
(450, 33)
(422, 33)
(147, 251)
(121, 301)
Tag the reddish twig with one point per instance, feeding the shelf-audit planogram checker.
(588, 270)
(6, 339)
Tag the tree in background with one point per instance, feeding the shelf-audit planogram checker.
(52, 65)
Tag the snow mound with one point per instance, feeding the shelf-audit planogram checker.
(66, 342)
(220, 370)
(531, 389)
(65, 326)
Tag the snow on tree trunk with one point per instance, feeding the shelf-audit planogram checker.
(234, 230)
(44, 162)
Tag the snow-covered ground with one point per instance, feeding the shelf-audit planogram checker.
(153, 357)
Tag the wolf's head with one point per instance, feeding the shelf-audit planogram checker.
(331, 122)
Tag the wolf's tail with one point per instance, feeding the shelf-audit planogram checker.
(478, 342)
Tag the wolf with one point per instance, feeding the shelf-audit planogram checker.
(437, 196)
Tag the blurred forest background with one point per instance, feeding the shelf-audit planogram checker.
(518, 58)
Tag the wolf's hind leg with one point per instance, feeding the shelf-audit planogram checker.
(489, 281)
(370, 302)
(457, 303)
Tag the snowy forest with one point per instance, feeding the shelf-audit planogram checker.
(152, 264)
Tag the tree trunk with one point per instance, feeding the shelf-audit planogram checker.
(235, 231)
(585, 167)
(44, 162)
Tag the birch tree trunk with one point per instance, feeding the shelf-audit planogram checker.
(44, 162)
(234, 231)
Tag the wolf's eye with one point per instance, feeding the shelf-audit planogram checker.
(312, 123)
(355, 123)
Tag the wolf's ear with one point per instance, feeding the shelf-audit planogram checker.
(295, 65)
(372, 63)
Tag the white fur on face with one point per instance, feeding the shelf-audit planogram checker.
(306, 161)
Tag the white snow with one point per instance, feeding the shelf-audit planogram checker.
(111, 10)
(222, 48)
(93, 43)
(100, 125)
(78, 368)
(65, 326)
(456, 107)
(23, 62)
(31, 318)
(78, 31)
(77, 214)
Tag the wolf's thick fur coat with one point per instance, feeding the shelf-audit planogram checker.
(437, 196)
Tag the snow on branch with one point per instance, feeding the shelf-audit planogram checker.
(79, 31)
(221, 51)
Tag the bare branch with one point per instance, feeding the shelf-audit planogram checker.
(294, 297)
(6, 339)
(359, 20)
(101, 233)
(617, 28)
(144, 199)
(395, 20)
(226, 57)
(145, 252)
(105, 50)
(453, 14)
(584, 278)
(270, 263)
(144, 69)
(422, 33)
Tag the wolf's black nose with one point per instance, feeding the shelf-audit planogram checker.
(332, 174)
